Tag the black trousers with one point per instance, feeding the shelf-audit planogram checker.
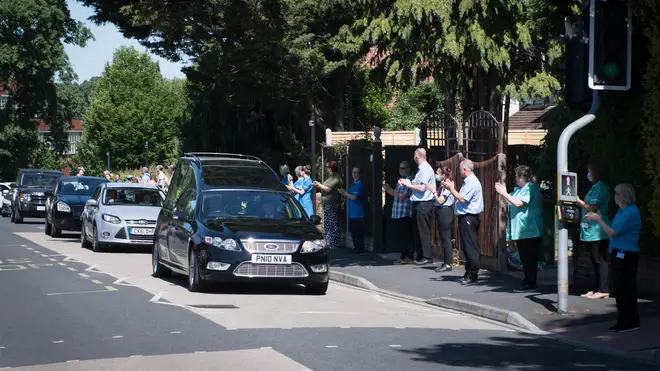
(403, 236)
(624, 279)
(356, 226)
(529, 250)
(444, 217)
(599, 254)
(468, 227)
(421, 214)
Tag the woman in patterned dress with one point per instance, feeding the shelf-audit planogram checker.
(331, 205)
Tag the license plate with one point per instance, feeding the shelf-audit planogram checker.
(142, 231)
(271, 259)
(41, 208)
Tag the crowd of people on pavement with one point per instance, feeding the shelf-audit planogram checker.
(156, 176)
(613, 246)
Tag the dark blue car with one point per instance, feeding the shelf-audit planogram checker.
(66, 202)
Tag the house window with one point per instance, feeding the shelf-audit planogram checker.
(74, 138)
(3, 101)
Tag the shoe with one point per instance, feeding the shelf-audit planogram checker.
(444, 268)
(525, 288)
(623, 328)
(424, 261)
(598, 295)
(587, 294)
(402, 261)
(468, 281)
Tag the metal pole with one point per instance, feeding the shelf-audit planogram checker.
(312, 124)
(562, 235)
(146, 149)
(107, 161)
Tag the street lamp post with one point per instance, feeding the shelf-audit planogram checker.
(107, 161)
(312, 125)
(146, 150)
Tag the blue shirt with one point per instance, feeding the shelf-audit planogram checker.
(425, 175)
(449, 199)
(473, 195)
(306, 198)
(628, 225)
(285, 180)
(402, 208)
(355, 207)
(526, 221)
(296, 185)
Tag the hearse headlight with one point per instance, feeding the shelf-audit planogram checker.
(313, 246)
(62, 207)
(228, 244)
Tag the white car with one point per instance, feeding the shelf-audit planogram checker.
(121, 214)
(5, 189)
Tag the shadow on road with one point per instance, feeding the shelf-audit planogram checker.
(240, 288)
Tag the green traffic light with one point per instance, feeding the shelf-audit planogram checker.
(611, 70)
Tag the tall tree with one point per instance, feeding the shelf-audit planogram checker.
(131, 103)
(32, 34)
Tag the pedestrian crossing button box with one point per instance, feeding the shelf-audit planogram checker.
(568, 213)
(567, 187)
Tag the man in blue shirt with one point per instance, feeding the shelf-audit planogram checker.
(469, 204)
(423, 187)
(402, 224)
(354, 197)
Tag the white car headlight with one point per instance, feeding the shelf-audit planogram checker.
(62, 207)
(313, 246)
(111, 219)
(228, 244)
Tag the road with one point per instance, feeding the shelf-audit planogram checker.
(66, 308)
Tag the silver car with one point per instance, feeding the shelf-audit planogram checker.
(121, 214)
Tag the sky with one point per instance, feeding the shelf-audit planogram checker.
(90, 61)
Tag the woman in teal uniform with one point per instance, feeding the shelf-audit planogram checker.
(594, 239)
(525, 224)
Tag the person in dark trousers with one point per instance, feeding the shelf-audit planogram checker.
(468, 206)
(594, 240)
(525, 222)
(423, 187)
(624, 255)
(402, 223)
(355, 197)
(444, 216)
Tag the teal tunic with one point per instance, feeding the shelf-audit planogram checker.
(526, 221)
(599, 194)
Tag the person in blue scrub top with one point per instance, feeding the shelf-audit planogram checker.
(303, 189)
(355, 197)
(525, 222)
(298, 183)
(286, 175)
(624, 255)
(594, 240)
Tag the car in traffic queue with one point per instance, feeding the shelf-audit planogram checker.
(120, 214)
(227, 218)
(29, 197)
(65, 203)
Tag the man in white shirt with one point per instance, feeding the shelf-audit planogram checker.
(422, 186)
(469, 203)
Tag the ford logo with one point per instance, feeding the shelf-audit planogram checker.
(271, 246)
(143, 222)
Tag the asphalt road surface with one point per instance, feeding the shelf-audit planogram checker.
(66, 308)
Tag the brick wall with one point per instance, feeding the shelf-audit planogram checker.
(648, 274)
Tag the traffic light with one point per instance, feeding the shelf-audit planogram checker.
(610, 45)
(576, 63)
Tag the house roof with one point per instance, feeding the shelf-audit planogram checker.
(530, 118)
(74, 125)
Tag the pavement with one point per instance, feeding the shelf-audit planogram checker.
(586, 323)
(67, 308)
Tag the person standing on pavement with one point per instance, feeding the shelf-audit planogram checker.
(444, 216)
(402, 223)
(354, 202)
(525, 222)
(469, 204)
(331, 204)
(594, 240)
(302, 188)
(286, 175)
(423, 187)
(624, 255)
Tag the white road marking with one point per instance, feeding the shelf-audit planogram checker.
(395, 346)
(400, 327)
(62, 264)
(24, 246)
(107, 289)
(345, 327)
(44, 255)
(72, 269)
(58, 342)
(175, 332)
(30, 248)
(53, 260)
(135, 356)
(231, 329)
(68, 259)
(117, 337)
(456, 329)
(330, 346)
(2, 347)
(97, 282)
(90, 268)
(73, 360)
(157, 296)
(266, 348)
(117, 282)
(83, 275)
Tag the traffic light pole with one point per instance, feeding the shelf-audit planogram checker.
(562, 235)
